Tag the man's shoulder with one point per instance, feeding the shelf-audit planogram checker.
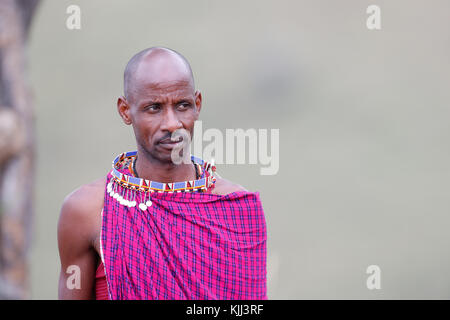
(85, 201)
(224, 186)
(79, 223)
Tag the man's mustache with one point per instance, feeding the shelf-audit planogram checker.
(180, 134)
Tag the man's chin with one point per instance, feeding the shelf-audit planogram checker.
(165, 154)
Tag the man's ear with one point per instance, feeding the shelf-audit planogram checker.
(124, 110)
(198, 101)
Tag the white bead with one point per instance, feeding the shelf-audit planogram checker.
(142, 206)
(116, 195)
(111, 193)
(148, 203)
(133, 203)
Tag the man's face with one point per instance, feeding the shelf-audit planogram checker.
(161, 99)
(157, 109)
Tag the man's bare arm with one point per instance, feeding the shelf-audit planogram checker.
(77, 254)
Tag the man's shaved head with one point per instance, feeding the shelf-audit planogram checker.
(158, 63)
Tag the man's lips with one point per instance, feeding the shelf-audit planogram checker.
(168, 141)
(168, 144)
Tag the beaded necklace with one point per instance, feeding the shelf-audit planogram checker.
(133, 166)
(126, 189)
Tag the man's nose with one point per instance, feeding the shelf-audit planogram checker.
(171, 121)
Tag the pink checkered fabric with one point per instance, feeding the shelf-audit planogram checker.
(189, 246)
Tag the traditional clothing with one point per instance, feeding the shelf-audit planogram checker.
(182, 245)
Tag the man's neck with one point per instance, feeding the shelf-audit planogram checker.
(154, 170)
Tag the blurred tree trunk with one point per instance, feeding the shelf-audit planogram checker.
(16, 148)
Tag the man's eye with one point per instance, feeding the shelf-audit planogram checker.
(183, 106)
(153, 107)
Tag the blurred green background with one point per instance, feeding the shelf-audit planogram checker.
(363, 117)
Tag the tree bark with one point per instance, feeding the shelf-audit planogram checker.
(16, 149)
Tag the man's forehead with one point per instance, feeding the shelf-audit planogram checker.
(163, 81)
(158, 92)
(164, 84)
(173, 87)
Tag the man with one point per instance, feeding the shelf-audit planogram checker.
(132, 240)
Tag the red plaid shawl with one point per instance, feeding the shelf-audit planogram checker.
(186, 246)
